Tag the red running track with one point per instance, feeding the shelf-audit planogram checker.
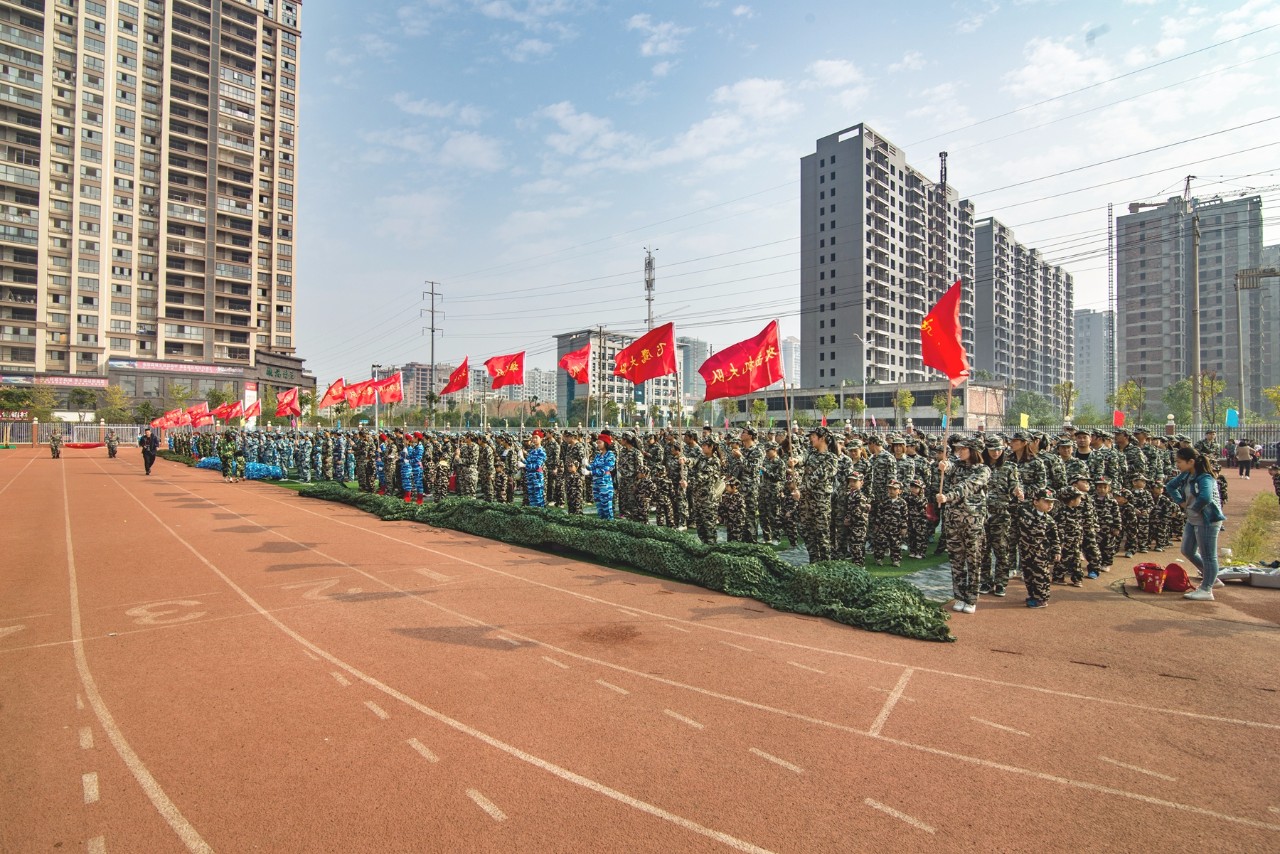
(189, 664)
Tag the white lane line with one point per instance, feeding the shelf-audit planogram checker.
(438, 716)
(434, 576)
(333, 517)
(16, 476)
(96, 845)
(487, 805)
(628, 613)
(5, 631)
(1156, 774)
(339, 678)
(690, 721)
(79, 702)
(883, 717)
(508, 640)
(805, 667)
(86, 738)
(376, 709)
(612, 687)
(150, 786)
(1000, 726)
(901, 816)
(309, 655)
(559, 664)
(775, 760)
(677, 628)
(1274, 809)
(90, 783)
(735, 646)
(890, 691)
(422, 748)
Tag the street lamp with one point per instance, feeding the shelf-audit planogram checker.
(863, 342)
(374, 372)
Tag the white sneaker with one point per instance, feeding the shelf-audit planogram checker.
(959, 606)
(1199, 595)
(1217, 582)
(969, 609)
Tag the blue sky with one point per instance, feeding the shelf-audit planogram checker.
(523, 153)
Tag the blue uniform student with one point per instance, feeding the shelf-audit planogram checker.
(535, 476)
(602, 466)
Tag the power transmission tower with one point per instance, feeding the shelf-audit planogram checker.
(431, 371)
(1112, 308)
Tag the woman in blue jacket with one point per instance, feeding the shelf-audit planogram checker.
(1196, 489)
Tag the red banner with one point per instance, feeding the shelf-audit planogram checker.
(287, 403)
(253, 410)
(458, 380)
(744, 367)
(1117, 418)
(506, 370)
(652, 355)
(202, 419)
(576, 363)
(221, 412)
(202, 406)
(333, 395)
(391, 389)
(940, 337)
(236, 410)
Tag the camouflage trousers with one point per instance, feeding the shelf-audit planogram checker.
(886, 542)
(770, 500)
(789, 519)
(679, 507)
(1135, 530)
(1072, 563)
(999, 553)
(704, 516)
(965, 535)
(815, 524)
(751, 505)
(573, 493)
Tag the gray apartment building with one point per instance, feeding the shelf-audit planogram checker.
(1153, 246)
(1023, 329)
(148, 188)
(693, 352)
(1091, 364)
(604, 348)
(880, 243)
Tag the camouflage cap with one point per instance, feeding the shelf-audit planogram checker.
(1066, 443)
(994, 443)
(1099, 433)
(1084, 475)
(1079, 431)
(749, 431)
(1138, 477)
(875, 439)
(894, 483)
(917, 482)
(856, 475)
(853, 442)
(897, 440)
(1020, 436)
(1069, 493)
(1044, 494)
(1141, 431)
(1102, 480)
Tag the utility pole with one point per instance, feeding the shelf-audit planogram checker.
(373, 371)
(600, 366)
(1194, 336)
(431, 389)
(1112, 308)
(648, 298)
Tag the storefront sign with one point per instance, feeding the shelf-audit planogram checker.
(15, 415)
(73, 382)
(174, 367)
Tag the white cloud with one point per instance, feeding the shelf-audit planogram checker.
(1053, 67)
(471, 151)
(1253, 15)
(912, 60)
(417, 19)
(756, 98)
(975, 18)
(662, 69)
(941, 105)
(636, 93)
(834, 74)
(528, 49)
(583, 135)
(743, 12)
(544, 186)
(525, 224)
(463, 114)
(662, 38)
(411, 217)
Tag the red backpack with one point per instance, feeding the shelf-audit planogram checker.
(1176, 579)
(1150, 577)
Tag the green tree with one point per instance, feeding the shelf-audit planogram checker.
(218, 397)
(611, 411)
(307, 401)
(855, 406)
(146, 412)
(1040, 411)
(41, 401)
(631, 407)
(1090, 416)
(825, 403)
(728, 407)
(12, 397)
(759, 409)
(1177, 400)
(1066, 394)
(1213, 406)
(83, 401)
(903, 400)
(655, 414)
(180, 394)
(1273, 396)
(114, 406)
(1131, 399)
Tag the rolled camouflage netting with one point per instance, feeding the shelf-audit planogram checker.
(837, 590)
(210, 463)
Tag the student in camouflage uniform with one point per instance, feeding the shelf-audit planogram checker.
(1110, 521)
(642, 495)
(857, 518)
(305, 449)
(1136, 506)
(774, 472)
(817, 484)
(1163, 516)
(745, 462)
(554, 449)
(1038, 547)
(1089, 534)
(789, 511)
(1153, 456)
(663, 512)
(676, 465)
(1063, 466)
(630, 463)
(844, 468)
(705, 479)
(919, 527)
(733, 512)
(963, 498)
(465, 464)
(1004, 496)
(1069, 515)
(882, 468)
(574, 462)
(889, 527)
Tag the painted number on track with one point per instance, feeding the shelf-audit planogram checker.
(156, 614)
(317, 588)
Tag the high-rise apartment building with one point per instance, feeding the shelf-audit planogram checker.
(1023, 329)
(791, 360)
(1153, 264)
(605, 345)
(149, 183)
(693, 353)
(880, 243)
(1092, 335)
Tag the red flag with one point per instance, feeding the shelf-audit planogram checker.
(202, 419)
(236, 410)
(157, 423)
(940, 337)
(506, 370)
(576, 363)
(333, 395)
(253, 410)
(287, 403)
(202, 406)
(1117, 418)
(458, 380)
(184, 418)
(652, 355)
(391, 389)
(353, 393)
(744, 367)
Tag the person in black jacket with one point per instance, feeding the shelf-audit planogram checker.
(149, 445)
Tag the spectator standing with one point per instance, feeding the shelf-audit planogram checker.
(1244, 459)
